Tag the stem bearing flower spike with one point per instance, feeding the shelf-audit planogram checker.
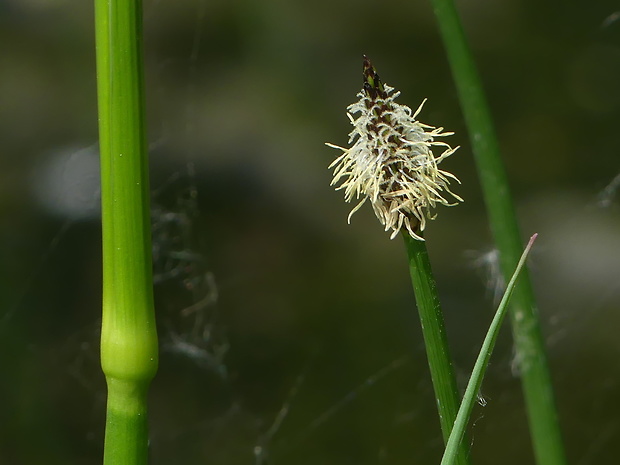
(391, 162)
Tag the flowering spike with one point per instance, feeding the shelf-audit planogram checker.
(391, 162)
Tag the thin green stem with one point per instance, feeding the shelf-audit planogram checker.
(435, 340)
(477, 374)
(529, 344)
(128, 334)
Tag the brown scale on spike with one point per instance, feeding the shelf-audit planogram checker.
(372, 83)
(374, 89)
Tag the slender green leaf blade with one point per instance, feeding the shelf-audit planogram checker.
(477, 375)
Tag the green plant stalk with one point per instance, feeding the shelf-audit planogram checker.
(128, 335)
(477, 374)
(435, 340)
(529, 344)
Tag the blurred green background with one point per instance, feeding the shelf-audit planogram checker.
(288, 336)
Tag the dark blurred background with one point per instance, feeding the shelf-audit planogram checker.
(288, 336)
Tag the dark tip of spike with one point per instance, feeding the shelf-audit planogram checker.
(372, 83)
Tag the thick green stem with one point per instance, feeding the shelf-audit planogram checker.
(128, 334)
(529, 343)
(435, 340)
(126, 437)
